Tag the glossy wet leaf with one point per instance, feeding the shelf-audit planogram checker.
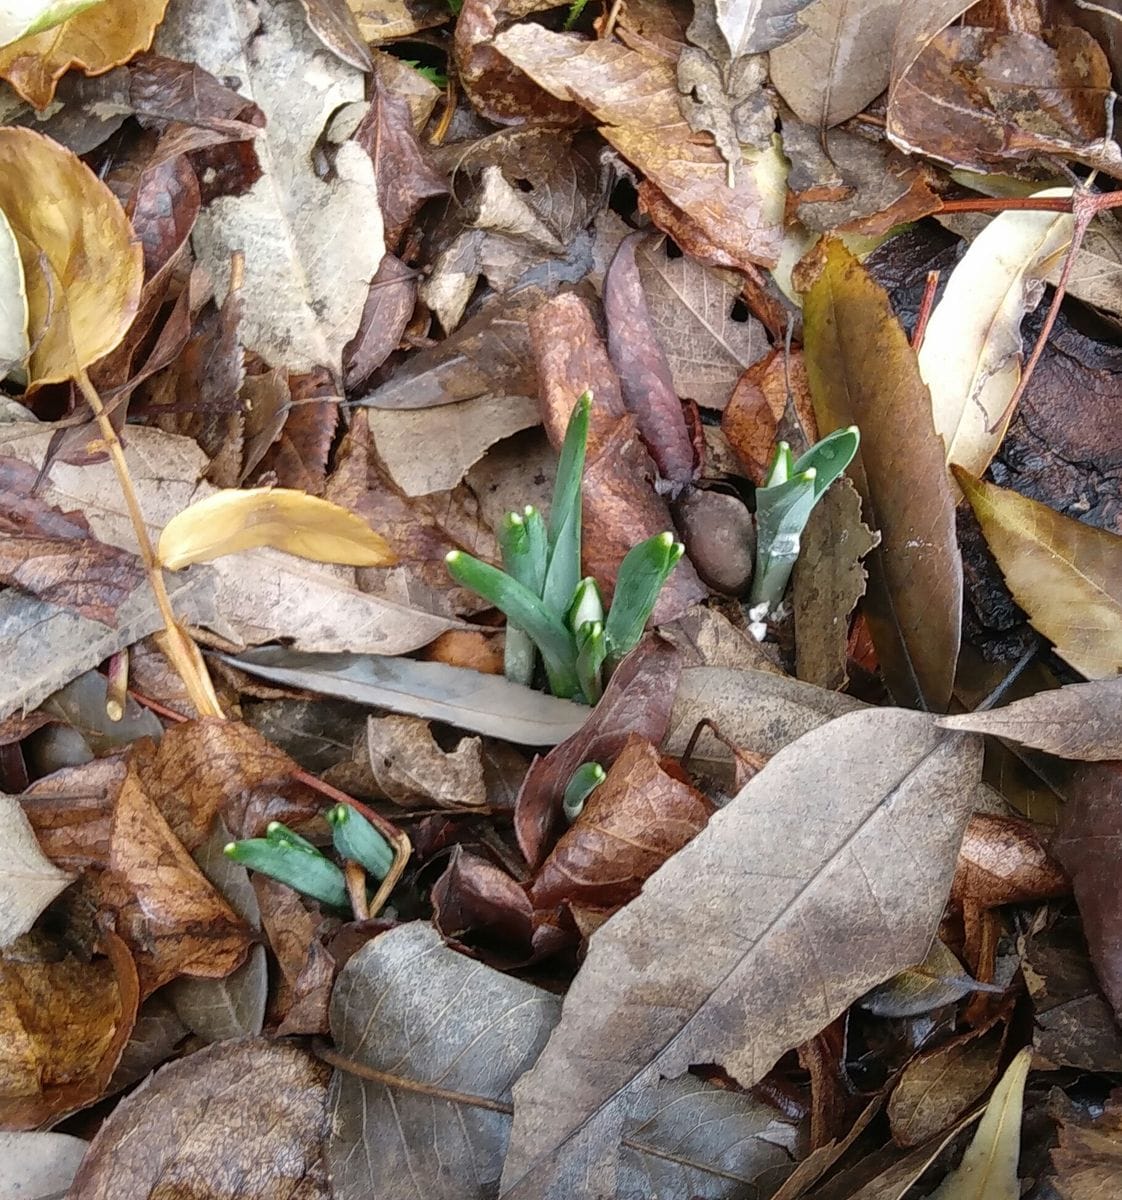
(82, 264)
(1066, 575)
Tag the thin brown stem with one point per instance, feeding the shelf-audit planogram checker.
(925, 307)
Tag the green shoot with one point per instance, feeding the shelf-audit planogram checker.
(583, 782)
(356, 839)
(592, 650)
(575, 10)
(642, 573)
(291, 863)
(524, 561)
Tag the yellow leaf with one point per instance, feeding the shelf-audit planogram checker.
(83, 266)
(96, 39)
(232, 520)
(1066, 575)
(988, 1170)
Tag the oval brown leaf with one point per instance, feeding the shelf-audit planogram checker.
(862, 371)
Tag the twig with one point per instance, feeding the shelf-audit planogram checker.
(925, 307)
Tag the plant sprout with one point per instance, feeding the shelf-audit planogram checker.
(784, 504)
(550, 610)
(582, 783)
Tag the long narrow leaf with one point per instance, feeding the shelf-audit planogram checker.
(829, 458)
(570, 469)
(524, 561)
(642, 573)
(782, 512)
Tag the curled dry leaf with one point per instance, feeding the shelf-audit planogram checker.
(414, 771)
(1081, 721)
(82, 264)
(635, 97)
(637, 700)
(712, 964)
(862, 371)
(229, 521)
(988, 1170)
(251, 1110)
(65, 1023)
(1004, 861)
(971, 353)
(1066, 575)
(756, 416)
(28, 880)
(96, 38)
(631, 824)
(311, 244)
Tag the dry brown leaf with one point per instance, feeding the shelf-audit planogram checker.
(1004, 861)
(636, 99)
(1081, 720)
(839, 62)
(759, 933)
(335, 25)
(415, 772)
(862, 371)
(95, 40)
(82, 263)
(385, 20)
(1066, 575)
(230, 521)
(251, 1111)
(1088, 1159)
(65, 1023)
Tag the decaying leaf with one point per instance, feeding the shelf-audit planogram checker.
(96, 38)
(414, 771)
(1082, 721)
(830, 908)
(1004, 861)
(229, 521)
(485, 704)
(988, 1170)
(14, 343)
(862, 371)
(35, 1165)
(840, 60)
(635, 97)
(940, 979)
(1066, 575)
(311, 244)
(447, 1084)
(1088, 1159)
(250, 1110)
(28, 881)
(82, 264)
(971, 353)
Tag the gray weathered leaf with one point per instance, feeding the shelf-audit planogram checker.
(450, 1039)
(827, 874)
(1082, 721)
(29, 881)
(752, 26)
(486, 704)
(311, 244)
(34, 1165)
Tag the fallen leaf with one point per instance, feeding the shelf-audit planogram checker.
(828, 581)
(644, 373)
(475, 902)
(1081, 721)
(940, 1084)
(335, 25)
(862, 371)
(485, 704)
(53, 555)
(1004, 861)
(311, 245)
(96, 38)
(229, 521)
(318, 606)
(29, 881)
(14, 343)
(988, 1170)
(389, 305)
(752, 28)
(689, 1138)
(390, 19)
(82, 265)
(840, 60)
(1087, 845)
(1088, 1158)
(1066, 575)
(298, 457)
(65, 1024)
(251, 1110)
(415, 772)
(694, 313)
(700, 981)
(635, 98)
(636, 700)
(894, 1182)
(38, 1164)
(939, 980)
(979, 98)
(631, 824)
(971, 353)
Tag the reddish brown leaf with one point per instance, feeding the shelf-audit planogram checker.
(64, 1024)
(638, 700)
(71, 812)
(298, 458)
(389, 306)
(1089, 847)
(250, 1111)
(54, 556)
(620, 503)
(474, 897)
(333, 22)
(163, 210)
(630, 825)
(644, 374)
(1003, 861)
